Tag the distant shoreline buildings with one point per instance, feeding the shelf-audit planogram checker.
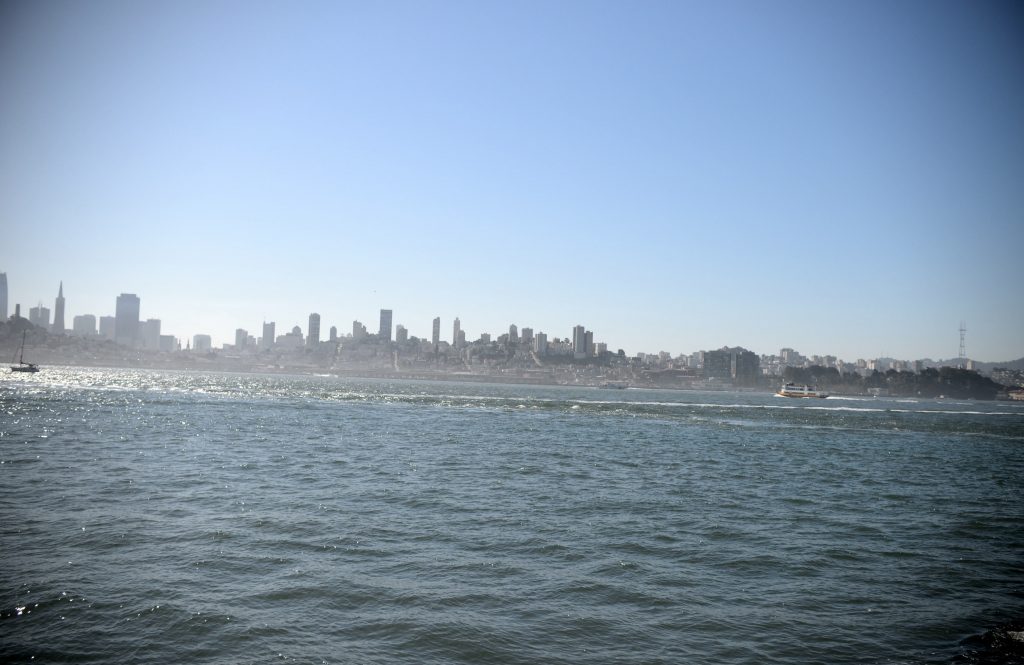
(521, 350)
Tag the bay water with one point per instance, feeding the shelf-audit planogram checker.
(159, 516)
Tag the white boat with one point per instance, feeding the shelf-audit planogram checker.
(794, 390)
(23, 366)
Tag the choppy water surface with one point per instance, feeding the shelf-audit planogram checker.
(156, 517)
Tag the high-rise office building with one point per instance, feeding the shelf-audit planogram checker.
(3, 296)
(579, 341)
(201, 343)
(149, 334)
(39, 316)
(267, 341)
(436, 335)
(385, 325)
(84, 325)
(241, 337)
(401, 334)
(126, 319)
(313, 336)
(527, 336)
(513, 334)
(108, 326)
(456, 329)
(334, 333)
(58, 311)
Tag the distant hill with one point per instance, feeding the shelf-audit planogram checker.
(1017, 364)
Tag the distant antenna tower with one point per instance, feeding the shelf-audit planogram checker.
(963, 344)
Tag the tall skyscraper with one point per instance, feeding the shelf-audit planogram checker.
(313, 337)
(579, 341)
(126, 319)
(385, 325)
(436, 336)
(3, 296)
(241, 337)
(58, 311)
(268, 335)
(456, 329)
(334, 333)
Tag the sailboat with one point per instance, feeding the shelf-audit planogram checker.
(23, 366)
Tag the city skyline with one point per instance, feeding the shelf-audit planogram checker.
(838, 178)
(126, 326)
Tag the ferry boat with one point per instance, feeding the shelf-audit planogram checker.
(794, 390)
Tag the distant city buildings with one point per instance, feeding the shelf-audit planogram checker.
(435, 335)
(458, 339)
(401, 334)
(3, 296)
(202, 343)
(39, 316)
(149, 334)
(241, 338)
(58, 311)
(84, 325)
(313, 336)
(126, 316)
(108, 327)
(385, 325)
(267, 341)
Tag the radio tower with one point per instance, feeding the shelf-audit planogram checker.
(963, 345)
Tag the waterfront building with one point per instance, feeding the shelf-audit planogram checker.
(126, 319)
(149, 334)
(313, 337)
(401, 334)
(39, 316)
(385, 325)
(58, 311)
(84, 325)
(3, 296)
(738, 365)
(435, 336)
(267, 341)
(201, 343)
(241, 337)
(108, 327)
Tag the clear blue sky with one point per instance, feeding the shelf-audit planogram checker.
(837, 177)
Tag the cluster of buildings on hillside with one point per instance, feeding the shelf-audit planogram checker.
(523, 348)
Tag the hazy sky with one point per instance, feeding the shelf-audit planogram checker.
(837, 177)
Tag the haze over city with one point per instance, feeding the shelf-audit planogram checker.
(838, 178)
